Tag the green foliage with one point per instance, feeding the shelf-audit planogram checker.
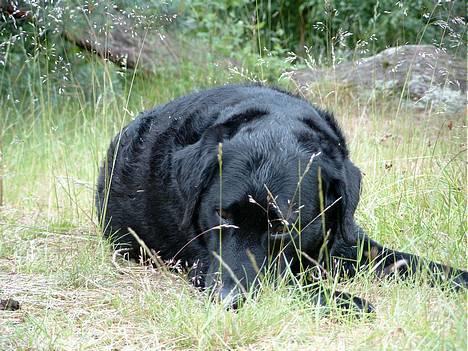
(329, 27)
(257, 34)
(224, 25)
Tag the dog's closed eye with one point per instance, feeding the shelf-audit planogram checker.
(225, 215)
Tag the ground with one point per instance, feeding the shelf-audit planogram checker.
(75, 294)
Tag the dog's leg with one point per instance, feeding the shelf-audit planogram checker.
(341, 300)
(365, 253)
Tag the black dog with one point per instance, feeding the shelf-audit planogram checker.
(239, 179)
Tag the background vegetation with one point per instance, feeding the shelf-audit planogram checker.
(61, 105)
(328, 28)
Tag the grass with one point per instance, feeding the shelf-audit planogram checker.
(75, 295)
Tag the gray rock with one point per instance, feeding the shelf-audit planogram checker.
(428, 76)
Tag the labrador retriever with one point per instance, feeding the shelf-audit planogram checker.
(239, 180)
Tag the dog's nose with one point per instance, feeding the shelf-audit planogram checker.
(230, 297)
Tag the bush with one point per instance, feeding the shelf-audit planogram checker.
(328, 27)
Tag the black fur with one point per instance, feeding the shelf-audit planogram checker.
(163, 178)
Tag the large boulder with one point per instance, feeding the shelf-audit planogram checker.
(429, 76)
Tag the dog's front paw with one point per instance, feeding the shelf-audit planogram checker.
(353, 303)
(362, 305)
(346, 302)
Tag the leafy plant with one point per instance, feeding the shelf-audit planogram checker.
(328, 27)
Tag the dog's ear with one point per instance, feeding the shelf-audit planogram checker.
(193, 169)
(195, 165)
(342, 191)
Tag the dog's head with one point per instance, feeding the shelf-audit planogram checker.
(276, 196)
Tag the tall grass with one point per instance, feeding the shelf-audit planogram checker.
(76, 295)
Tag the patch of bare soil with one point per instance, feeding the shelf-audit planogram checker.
(100, 309)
